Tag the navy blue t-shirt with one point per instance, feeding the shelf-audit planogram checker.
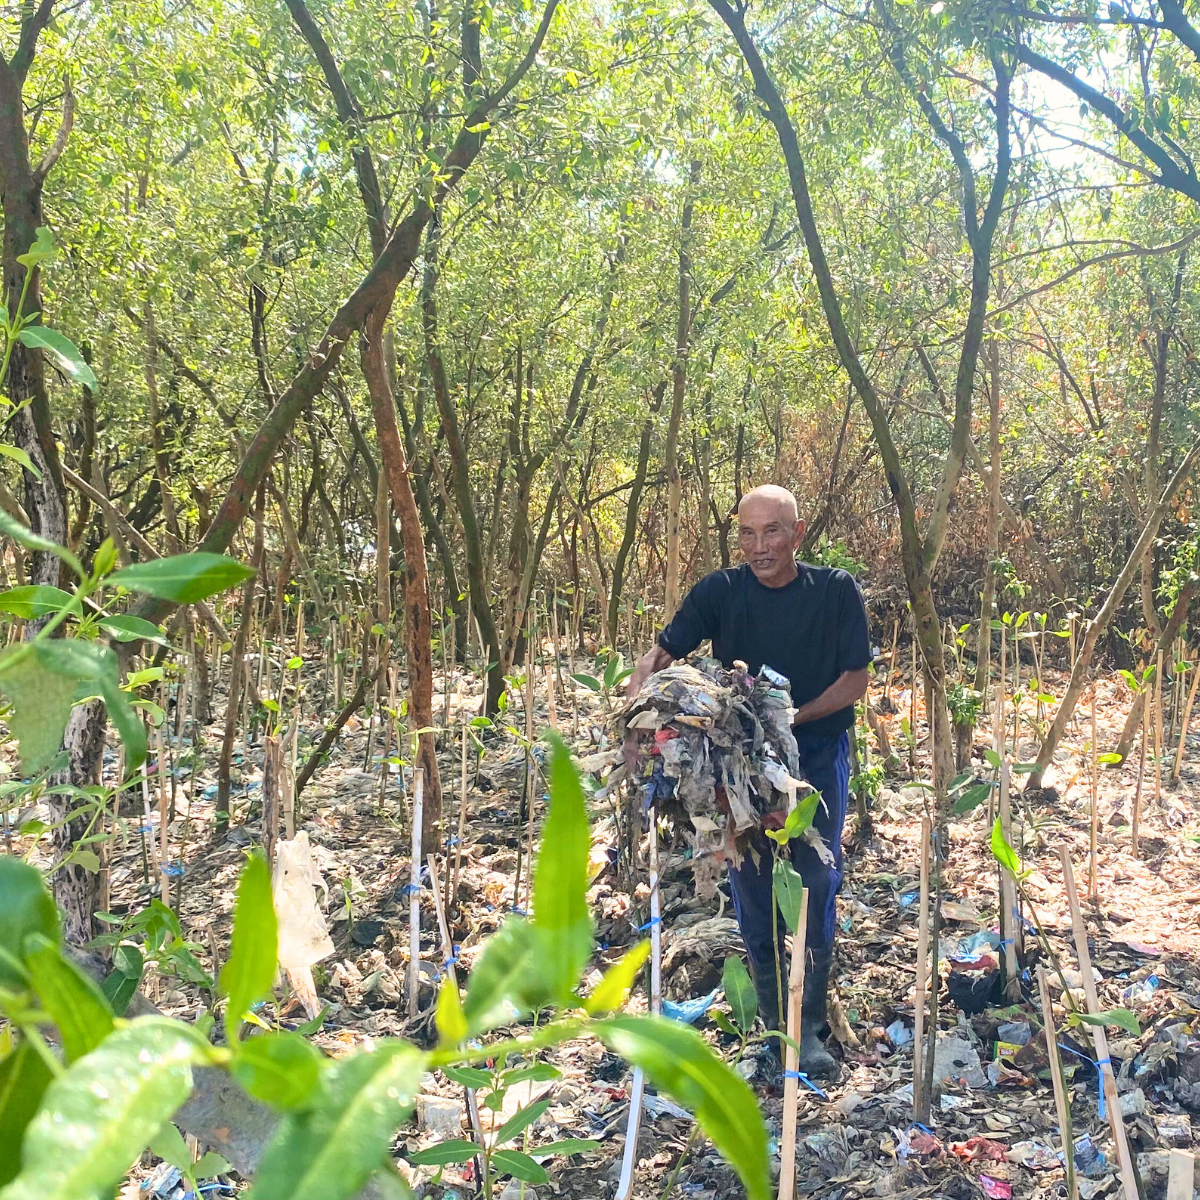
(811, 630)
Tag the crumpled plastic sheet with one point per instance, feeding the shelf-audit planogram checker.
(303, 936)
(715, 750)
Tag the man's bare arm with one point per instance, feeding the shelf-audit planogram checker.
(653, 660)
(845, 690)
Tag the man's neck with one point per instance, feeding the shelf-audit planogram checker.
(783, 581)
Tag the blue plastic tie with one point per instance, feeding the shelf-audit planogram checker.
(808, 1083)
(520, 912)
(649, 924)
(174, 870)
(410, 889)
(1099, 1064)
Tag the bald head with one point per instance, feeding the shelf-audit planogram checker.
(769, 534)
(770, 496)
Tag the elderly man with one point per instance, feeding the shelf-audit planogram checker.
(810, 625)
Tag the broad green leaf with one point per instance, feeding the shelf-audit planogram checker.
(801, 817)
(1122, 1018)
(61, 350)
(127, 628)
(992, 758)
(677, 1060)
(469, 1077)
(97, 1118)
(28, 909)
(210, 1164)
(140, 678)
(24, 1077)
(567, 1146)
(519, 1166)
(973, 797)
(723, 1023)
(520, 1120)
(560, 911)
(123, 980)
(332, 1148)
(739, 991)
(1005, 855)
(588, 681)
(250, 971)
(1130, 678)
(280, 1068)
(74, 1002)
(33, 600)
(506, 981)
(42, 249)
(788, 889)
(614, 985)
(169, 1145)
(1110, 758)
(11, 527)
(451, 1024)
(612, 669)
(295, 663)
(183, 578)
(454, 1150)
(538, 1072)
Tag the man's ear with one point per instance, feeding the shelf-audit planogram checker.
(800, 528)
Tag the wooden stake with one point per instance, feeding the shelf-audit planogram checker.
(1003, 721)
(1093, 880)
(920, 1103)
(530, 771)
(1158, 730)
(912, 704)
(462, 817)
(414, 897)
(272, 784)
(887, 683)
(163, 823)
(1181, 1177)
(1056, 1078)
(1100, 1037)
(1183, 728)
(791, 1084)
(1137, 795)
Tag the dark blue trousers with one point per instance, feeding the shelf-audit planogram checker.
(825, 763)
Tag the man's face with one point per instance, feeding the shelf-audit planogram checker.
(769, 538)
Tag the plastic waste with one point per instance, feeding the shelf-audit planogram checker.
(957, 1061)
(898, 1033)
(1015, 1033)
(996, 1189)
(1034, 1155)
(1088, 1159)
(688, 1012)
(1142, 991)
(302, 932)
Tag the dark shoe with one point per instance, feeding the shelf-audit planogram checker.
(815, 1061)
(767, 990)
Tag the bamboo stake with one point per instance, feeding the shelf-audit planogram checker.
(414, 897)
(462, 817)
(887, 683)
(1158, 730)
(1093, 881)
(530, 769)
(1181, 1177)
(149, 870)
(163, 823)
(1183, 728)
(1001, 747)
(912, 705)
(791, 1081)
(1137, 795)
(1056, 1078)
(1010, 923)
(637, 1090)
(1099, 1036)
(920, 1104)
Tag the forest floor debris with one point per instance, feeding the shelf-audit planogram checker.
(993, 1131)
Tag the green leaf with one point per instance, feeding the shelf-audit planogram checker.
(250, 971)
(610, 993)
(183, 578)
(61, 351)
(73, 1001)
(453, 1150)
(123, 980)
(801, 817)
(295, 663)
(97, 1117)
(972, 798)
(723, 1023)
(169, 1145)
(210, 1164)
(280, 1068)
(20, 456)
(589, 681)
(451, 1024)
(331, 1149)
(127, 628)
(739, 991)
(520, 1120)
(308, 1028)
(42, 249)
(1110, 757)
(560, 911)
(24, 1077)
(24, 536)
(567, 1146)
(33, 600)
(519, 1166)
(677, 1060)
(1122, 1018)
(788, 889)
(506, 981)
(28, 909)
(140, 678)
(539, 1073)
(992, 758)
(612, 669)
(469, 1077)
(1005, 855)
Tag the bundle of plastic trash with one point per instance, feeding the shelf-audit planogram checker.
(714, 749)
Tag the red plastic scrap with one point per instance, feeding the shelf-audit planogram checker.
(996, 1189)
(920, 1142)
(977, 1149)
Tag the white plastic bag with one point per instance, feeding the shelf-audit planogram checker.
(303, 935)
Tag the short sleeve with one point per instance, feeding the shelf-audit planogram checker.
(696, 619)
(853, 637)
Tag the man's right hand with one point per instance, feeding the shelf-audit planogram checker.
(653, 660)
